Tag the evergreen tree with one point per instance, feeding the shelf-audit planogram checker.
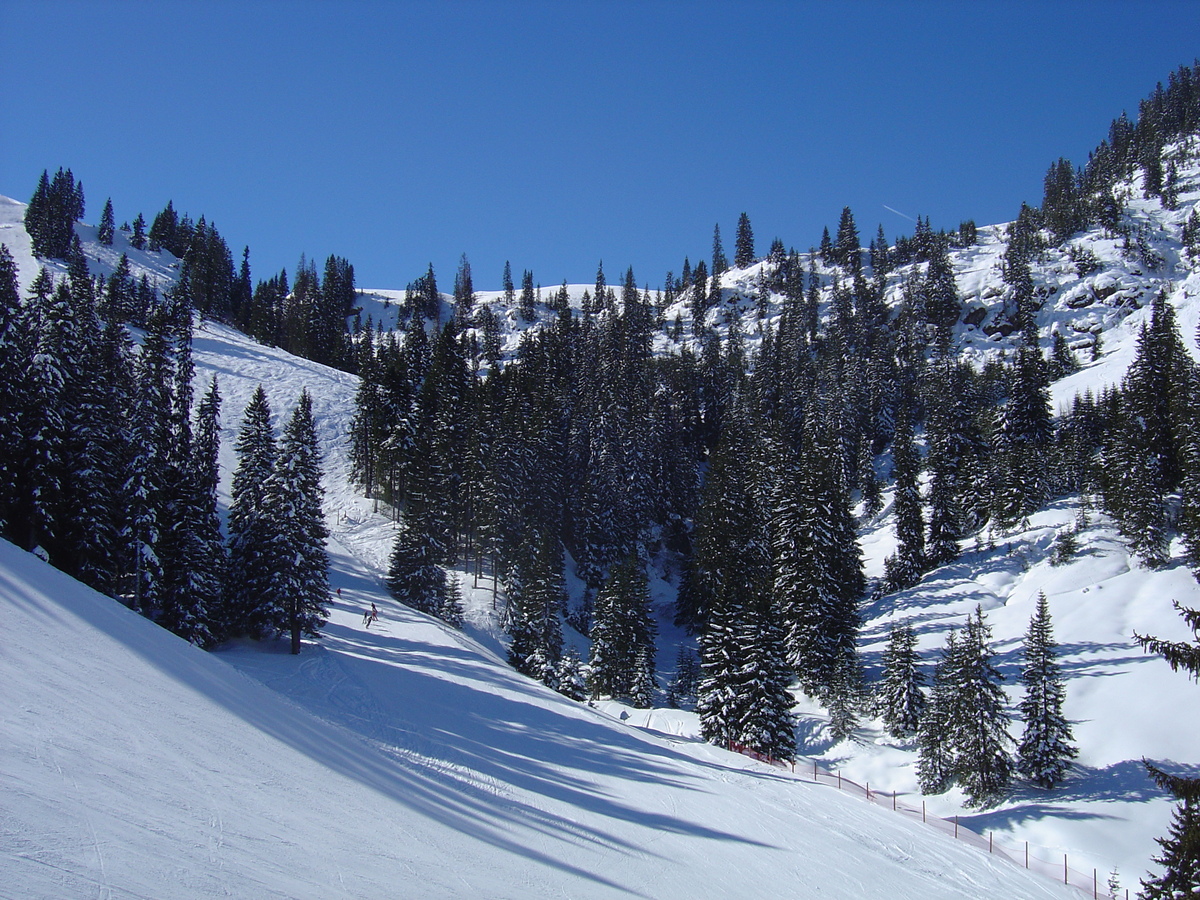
(526, 303)
(300, 584)
(415, 577)
(936, 752)
(464, 290)
(1146, 453)
(107, 229)
(138, 239)
(766, 724)
(900, 698)
(1045, 749)
(251, 602)
(984, 765)
(536, 594)
(818, 568)
(622, 634)
(905, 568)
(192, 599)
(1180, 856)
(847, 246)
(720, 264)
(743, 253)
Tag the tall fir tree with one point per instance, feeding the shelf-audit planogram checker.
(1046, 748)
(984, 763)
(250, 595)
(1180, 854)
(300, 586)
(620, 662)
(900, 697)
(107, 229)
(743, 251)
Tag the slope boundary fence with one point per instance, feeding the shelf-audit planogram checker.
(1090, 884)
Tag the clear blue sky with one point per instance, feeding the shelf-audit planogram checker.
(557, 134)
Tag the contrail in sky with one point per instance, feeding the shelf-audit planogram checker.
(897, 212)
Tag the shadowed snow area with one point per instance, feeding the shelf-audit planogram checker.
(401, 762)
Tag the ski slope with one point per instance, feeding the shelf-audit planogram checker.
(404, 761)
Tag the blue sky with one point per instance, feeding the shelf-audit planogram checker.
(557, 134)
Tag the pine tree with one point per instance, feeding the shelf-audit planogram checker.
(1180, 856)
(817, 567)
(846, 248)
(720, 264)
(251, 602)
(984, 765)
(192, 597)
(743, 253)
(138, 239)
(415, 577)
(300, 586)
(1045, 749)
(766, 725)
(536, 593)
(622, 634)
(936, 752)
(464, 290)
(900, 698)
(905, 568)
(107, 229)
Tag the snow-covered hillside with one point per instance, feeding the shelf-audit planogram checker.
(410, 760)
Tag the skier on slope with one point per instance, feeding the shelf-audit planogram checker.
(372, 616)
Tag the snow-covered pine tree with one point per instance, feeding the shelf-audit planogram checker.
(1180, 856)
(936, 752)
(414, 576)
(571, 679)
(904, 569)
(250, 602)
(817, 568)
(767, 725)
(16, 355)
(536, 593)
(1189, 489)
(294, 498)
(622, 634)
(900, 698)
(979, 730)
(193, 598)
(1045, 749)
(451, 611)
(151, 465)
(1023, 435)
(1145, 454)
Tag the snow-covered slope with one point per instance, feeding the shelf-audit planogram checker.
(405, 761)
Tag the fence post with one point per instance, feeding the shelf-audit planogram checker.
(814, 771)
(868, 792)
(1027, 854)
(893, 800)
(956, 828)
(922, 810)
(1066, 877)
(1095, 886)
(839, 779)
(990, 835)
